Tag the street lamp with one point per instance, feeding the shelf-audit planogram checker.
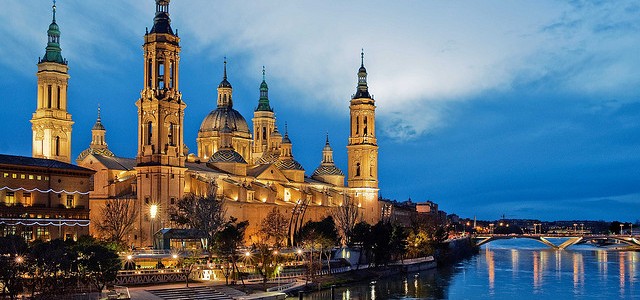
(621, 228)
(582, 228)
(491, 228)
(19, 259)
(153, 212)
(575, 228)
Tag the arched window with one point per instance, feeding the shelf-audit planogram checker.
(149, 132)
(357, 169)
(58, 98)
(365, 126)
(357, 124)
(264, 133)
(171, 134)
(171, 70)
(49, 91)
(161, 75)
(149, 73)
(56, 146)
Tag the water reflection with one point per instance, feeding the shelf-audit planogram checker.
(510, 272)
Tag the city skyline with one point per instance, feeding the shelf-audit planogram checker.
(533, 120)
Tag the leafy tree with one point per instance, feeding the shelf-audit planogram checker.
(346, 217)
(12, 264)
(99, 264)
(203, 213)
(320, 236)
(362, 238)
(118, 218)
(228, 240)
(275, 226)
(265, 259)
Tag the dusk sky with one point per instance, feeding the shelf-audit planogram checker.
(529, 109)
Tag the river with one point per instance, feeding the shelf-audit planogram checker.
(513, 269)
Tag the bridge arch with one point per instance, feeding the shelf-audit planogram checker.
(481, 240)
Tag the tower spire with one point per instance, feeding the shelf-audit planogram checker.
(162, 21)
(363, 90)
(263, 103)
(224, 83)
(225, 69)
(53, 51)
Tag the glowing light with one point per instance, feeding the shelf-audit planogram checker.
(129, 257)
(299, 251)
(153, 211)
(19, 259)
(247, 254)
(175, 256)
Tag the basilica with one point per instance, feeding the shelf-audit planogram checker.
(251, 166)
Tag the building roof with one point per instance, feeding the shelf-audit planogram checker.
(117, 163)
(216, 120)
(39, 162)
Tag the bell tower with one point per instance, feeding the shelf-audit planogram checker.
(264, 122)
(51, 123)
(161, 156)
(362, 150)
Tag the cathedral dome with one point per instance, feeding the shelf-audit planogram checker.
(327, 169)
(227, 155)
(288, 164)
(217, 118)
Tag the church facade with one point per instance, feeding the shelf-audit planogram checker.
(252, 168)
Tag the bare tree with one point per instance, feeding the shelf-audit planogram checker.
(118, 217)
(202, 213)
(274, 226)
(346, 217)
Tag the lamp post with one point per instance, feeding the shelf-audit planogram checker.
(575, 228)
(491, 228)
(630, 229)
(153, 212)
(621, 228)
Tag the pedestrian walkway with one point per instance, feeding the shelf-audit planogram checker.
(199, 292)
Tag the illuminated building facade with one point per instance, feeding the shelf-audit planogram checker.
(254, 170)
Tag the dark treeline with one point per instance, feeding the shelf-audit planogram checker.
(47, 270)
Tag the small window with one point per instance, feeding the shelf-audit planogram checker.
(6, 175)
(26, 199)
(69, 201)
(14, 175)
(22, 176)
(173, 201)
(27, 233)
(31, 177)
(10, 198)
(146, 200)
(42, 233)
(39, 177)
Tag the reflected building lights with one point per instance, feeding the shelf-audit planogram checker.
(558, 254)
(491, 269)
(515, 257)
(578, 270)
(622, 262)
(406, 286)
(536, 271)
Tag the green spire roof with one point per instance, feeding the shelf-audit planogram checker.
(53, 51)
(263, 103)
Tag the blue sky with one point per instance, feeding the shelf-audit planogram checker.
(525, 108)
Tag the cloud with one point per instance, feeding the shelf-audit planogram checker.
(418, 53)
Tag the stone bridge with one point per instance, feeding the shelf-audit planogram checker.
(594, 239)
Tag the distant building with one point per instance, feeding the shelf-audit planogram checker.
(401, 213)
(428, 207)
(43, 199)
